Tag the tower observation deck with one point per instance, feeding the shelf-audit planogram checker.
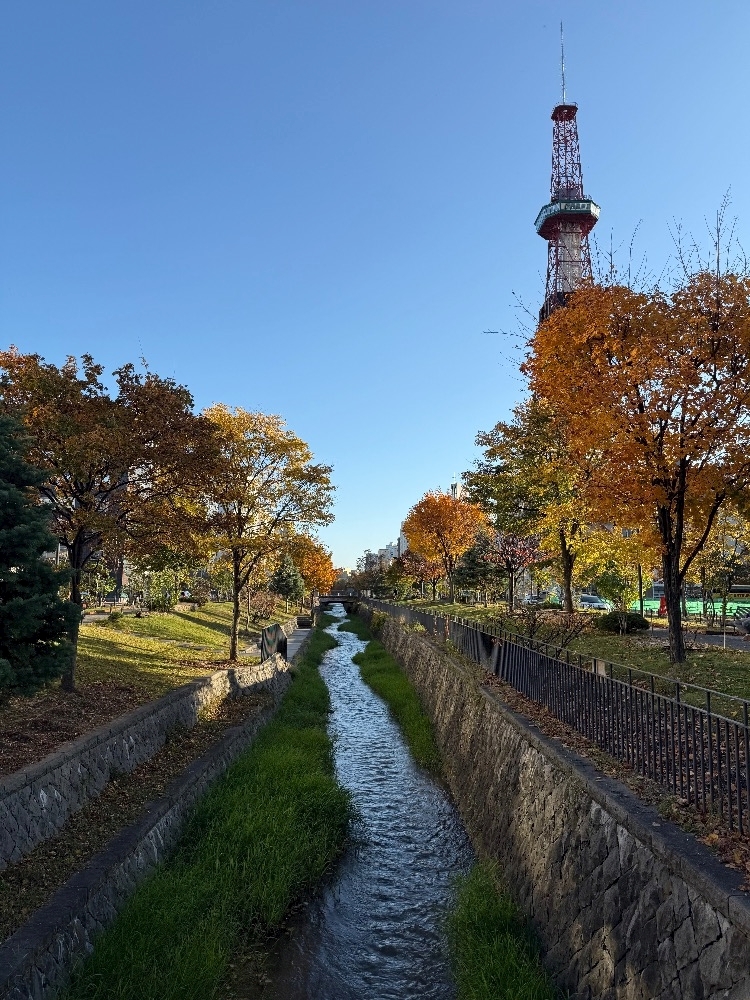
(570, 215)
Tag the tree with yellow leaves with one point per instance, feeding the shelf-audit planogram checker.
(528, 486)
(262, 487)
(441, 528)
(650, 392)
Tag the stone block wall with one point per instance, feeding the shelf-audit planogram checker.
(35, 961)
(626, 905)
(36, 801)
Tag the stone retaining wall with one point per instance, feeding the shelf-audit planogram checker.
(35, 961)
(36, 801)
(626, 905)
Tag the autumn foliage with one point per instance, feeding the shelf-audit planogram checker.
(650, 392)
(315, 563)
(260, 488)
(113, 464)
(440, 528)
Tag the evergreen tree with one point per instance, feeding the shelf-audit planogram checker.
(475, 572)
(34, 622)
(287, 581)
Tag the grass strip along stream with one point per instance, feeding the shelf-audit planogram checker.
(263, 836)
(494, 953)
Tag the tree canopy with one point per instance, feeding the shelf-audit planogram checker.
(440, 528)
(113, 465)
(664, 432)
(261, 488)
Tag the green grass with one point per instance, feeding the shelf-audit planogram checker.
(209, 625)
(148, 665)
(495, 956)
(358, 627)
(725, 670)
(381, 673)
(154, 654)
(263, 836)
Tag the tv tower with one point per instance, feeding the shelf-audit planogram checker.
(570, 215)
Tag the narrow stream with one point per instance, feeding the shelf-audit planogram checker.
(376, 930)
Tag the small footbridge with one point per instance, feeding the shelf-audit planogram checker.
(350, 603)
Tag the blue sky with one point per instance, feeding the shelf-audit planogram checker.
(316, 208)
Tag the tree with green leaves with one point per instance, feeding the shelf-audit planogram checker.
(287, 581)
(526, 484)
(475, 572)
(34, 622)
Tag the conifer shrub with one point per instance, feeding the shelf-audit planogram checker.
(34, 621)
(622, 622)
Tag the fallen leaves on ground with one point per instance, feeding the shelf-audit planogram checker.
(31, 882)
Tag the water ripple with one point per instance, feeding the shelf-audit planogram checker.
(376, 931)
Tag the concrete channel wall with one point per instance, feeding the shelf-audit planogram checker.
(36, 801)
(626, 905)
(35, 962)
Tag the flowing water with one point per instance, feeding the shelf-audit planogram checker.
(376, 930)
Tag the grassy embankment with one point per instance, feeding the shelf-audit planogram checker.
(726, 670)
(159, 652)
(493, 950)
(266, 833)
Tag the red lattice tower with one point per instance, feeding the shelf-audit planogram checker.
(570, 215)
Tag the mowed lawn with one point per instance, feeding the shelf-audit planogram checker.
(161, 651)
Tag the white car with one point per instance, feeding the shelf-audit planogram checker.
(590, 602)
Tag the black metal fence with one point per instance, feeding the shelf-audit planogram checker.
(690, 739)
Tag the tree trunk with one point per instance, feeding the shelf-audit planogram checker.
(567, 558)
(235, 606)
(79, 553)
(671, 574)
(434, 591)
(640, 589)
(68, 679)
(451, 590)
(511, 590)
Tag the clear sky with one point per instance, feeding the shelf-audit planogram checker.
(315, 208)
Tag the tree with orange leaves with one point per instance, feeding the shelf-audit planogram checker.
(314, 562)
(441, 528)
(651, 393)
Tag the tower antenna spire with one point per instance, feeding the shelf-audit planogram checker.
(562, 61)
(566, 221)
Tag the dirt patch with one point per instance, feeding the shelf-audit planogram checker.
(30, 883)
(31, 728)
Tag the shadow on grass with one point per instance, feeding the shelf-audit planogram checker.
(131, 660)
(265, 835)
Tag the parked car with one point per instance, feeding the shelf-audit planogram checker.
(544, 597)
(592, 602)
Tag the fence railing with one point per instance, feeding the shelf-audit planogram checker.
(692, 740)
